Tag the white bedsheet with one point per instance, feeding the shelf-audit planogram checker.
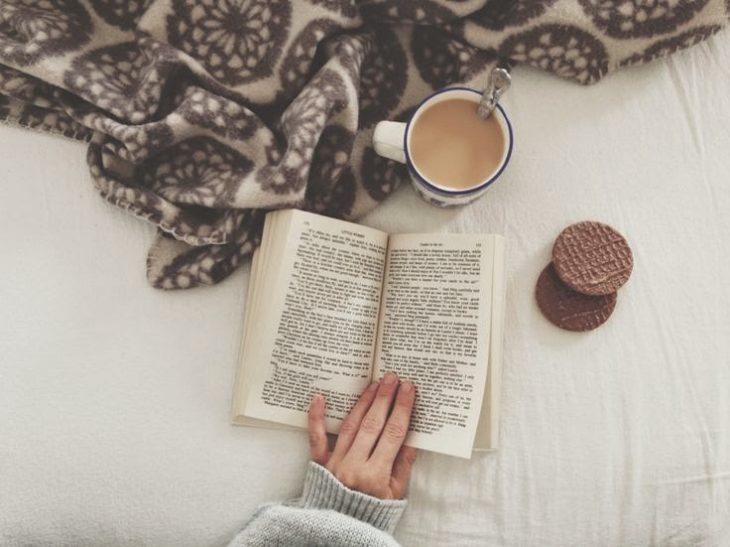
(114, 397)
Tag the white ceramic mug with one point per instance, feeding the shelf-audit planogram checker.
(392, 140)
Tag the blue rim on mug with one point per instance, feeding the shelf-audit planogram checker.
(481, 186)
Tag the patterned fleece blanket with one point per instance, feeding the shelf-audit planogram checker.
(203, 114)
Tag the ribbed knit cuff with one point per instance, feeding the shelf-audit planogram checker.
(322, 490)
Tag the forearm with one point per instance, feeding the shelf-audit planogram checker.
(328, 513)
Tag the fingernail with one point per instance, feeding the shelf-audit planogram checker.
(389, 379)
(406, 387)
(316, 398)
(373, 386)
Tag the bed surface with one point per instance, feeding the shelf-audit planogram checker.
(114, 397)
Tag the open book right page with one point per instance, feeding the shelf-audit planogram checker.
(435, 330)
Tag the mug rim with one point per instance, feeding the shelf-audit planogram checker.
(440, 189)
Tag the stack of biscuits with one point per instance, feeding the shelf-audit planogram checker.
(577, 291)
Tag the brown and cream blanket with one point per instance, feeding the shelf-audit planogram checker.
(203, 114)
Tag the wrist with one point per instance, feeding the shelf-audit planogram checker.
(322, 490)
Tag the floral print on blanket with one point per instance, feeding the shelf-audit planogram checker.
(201, 115)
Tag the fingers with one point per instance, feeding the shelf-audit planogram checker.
(374, 420)
(396, 428)
(402, 471)
(317, 431)
(351, 424)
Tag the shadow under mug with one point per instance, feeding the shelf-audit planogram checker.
(392, 140)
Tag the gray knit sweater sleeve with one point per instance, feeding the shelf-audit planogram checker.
(328, 513)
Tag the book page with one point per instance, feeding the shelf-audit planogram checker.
(316, 321)
(434, 330)
(487, 436)
(276, 227)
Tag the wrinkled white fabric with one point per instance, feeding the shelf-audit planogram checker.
(114, 397)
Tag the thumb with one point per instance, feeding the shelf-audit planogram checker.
(317, 433)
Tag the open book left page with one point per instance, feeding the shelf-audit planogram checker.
(311, 318)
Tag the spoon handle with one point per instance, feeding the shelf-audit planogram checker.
(499, 81)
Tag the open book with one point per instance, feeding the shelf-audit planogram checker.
(332, 305)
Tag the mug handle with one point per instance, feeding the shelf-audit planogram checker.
(388, 140)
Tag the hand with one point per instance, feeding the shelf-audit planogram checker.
(369, 455)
